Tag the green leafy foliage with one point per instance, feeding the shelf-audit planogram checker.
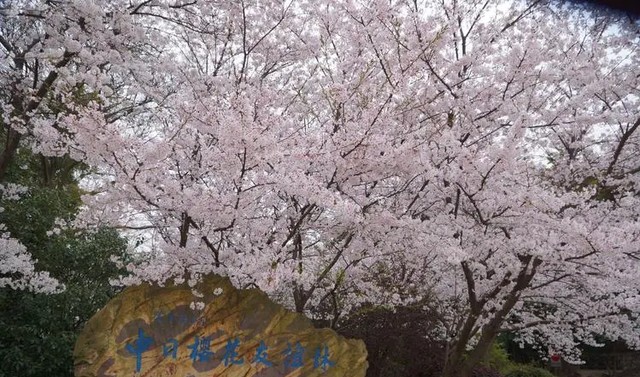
(38, 331)
(527, 371)
(501, 360)
(498, 358)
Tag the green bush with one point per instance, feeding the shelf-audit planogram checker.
(498, 358)
(38, 331)
(527, 371)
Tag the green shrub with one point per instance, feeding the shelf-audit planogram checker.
(498, 358)
(527, 371)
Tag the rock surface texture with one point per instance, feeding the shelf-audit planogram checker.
(153, 331)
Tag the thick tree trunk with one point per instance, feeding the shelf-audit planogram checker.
(460, 363)
(6, 157)
(300, 298)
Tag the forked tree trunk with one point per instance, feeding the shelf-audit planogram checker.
(459, 362)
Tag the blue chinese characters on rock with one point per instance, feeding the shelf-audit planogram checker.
(142, 344)
(200, 350)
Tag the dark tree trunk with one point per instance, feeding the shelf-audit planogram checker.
(460, 363)
(10, 148)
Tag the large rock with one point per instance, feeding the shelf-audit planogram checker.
(152, 331)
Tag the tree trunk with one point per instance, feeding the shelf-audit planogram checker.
(460, 363)
(11, 146)
(300, 298)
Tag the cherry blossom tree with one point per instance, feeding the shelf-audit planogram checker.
(477, 158)
(58, 58)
